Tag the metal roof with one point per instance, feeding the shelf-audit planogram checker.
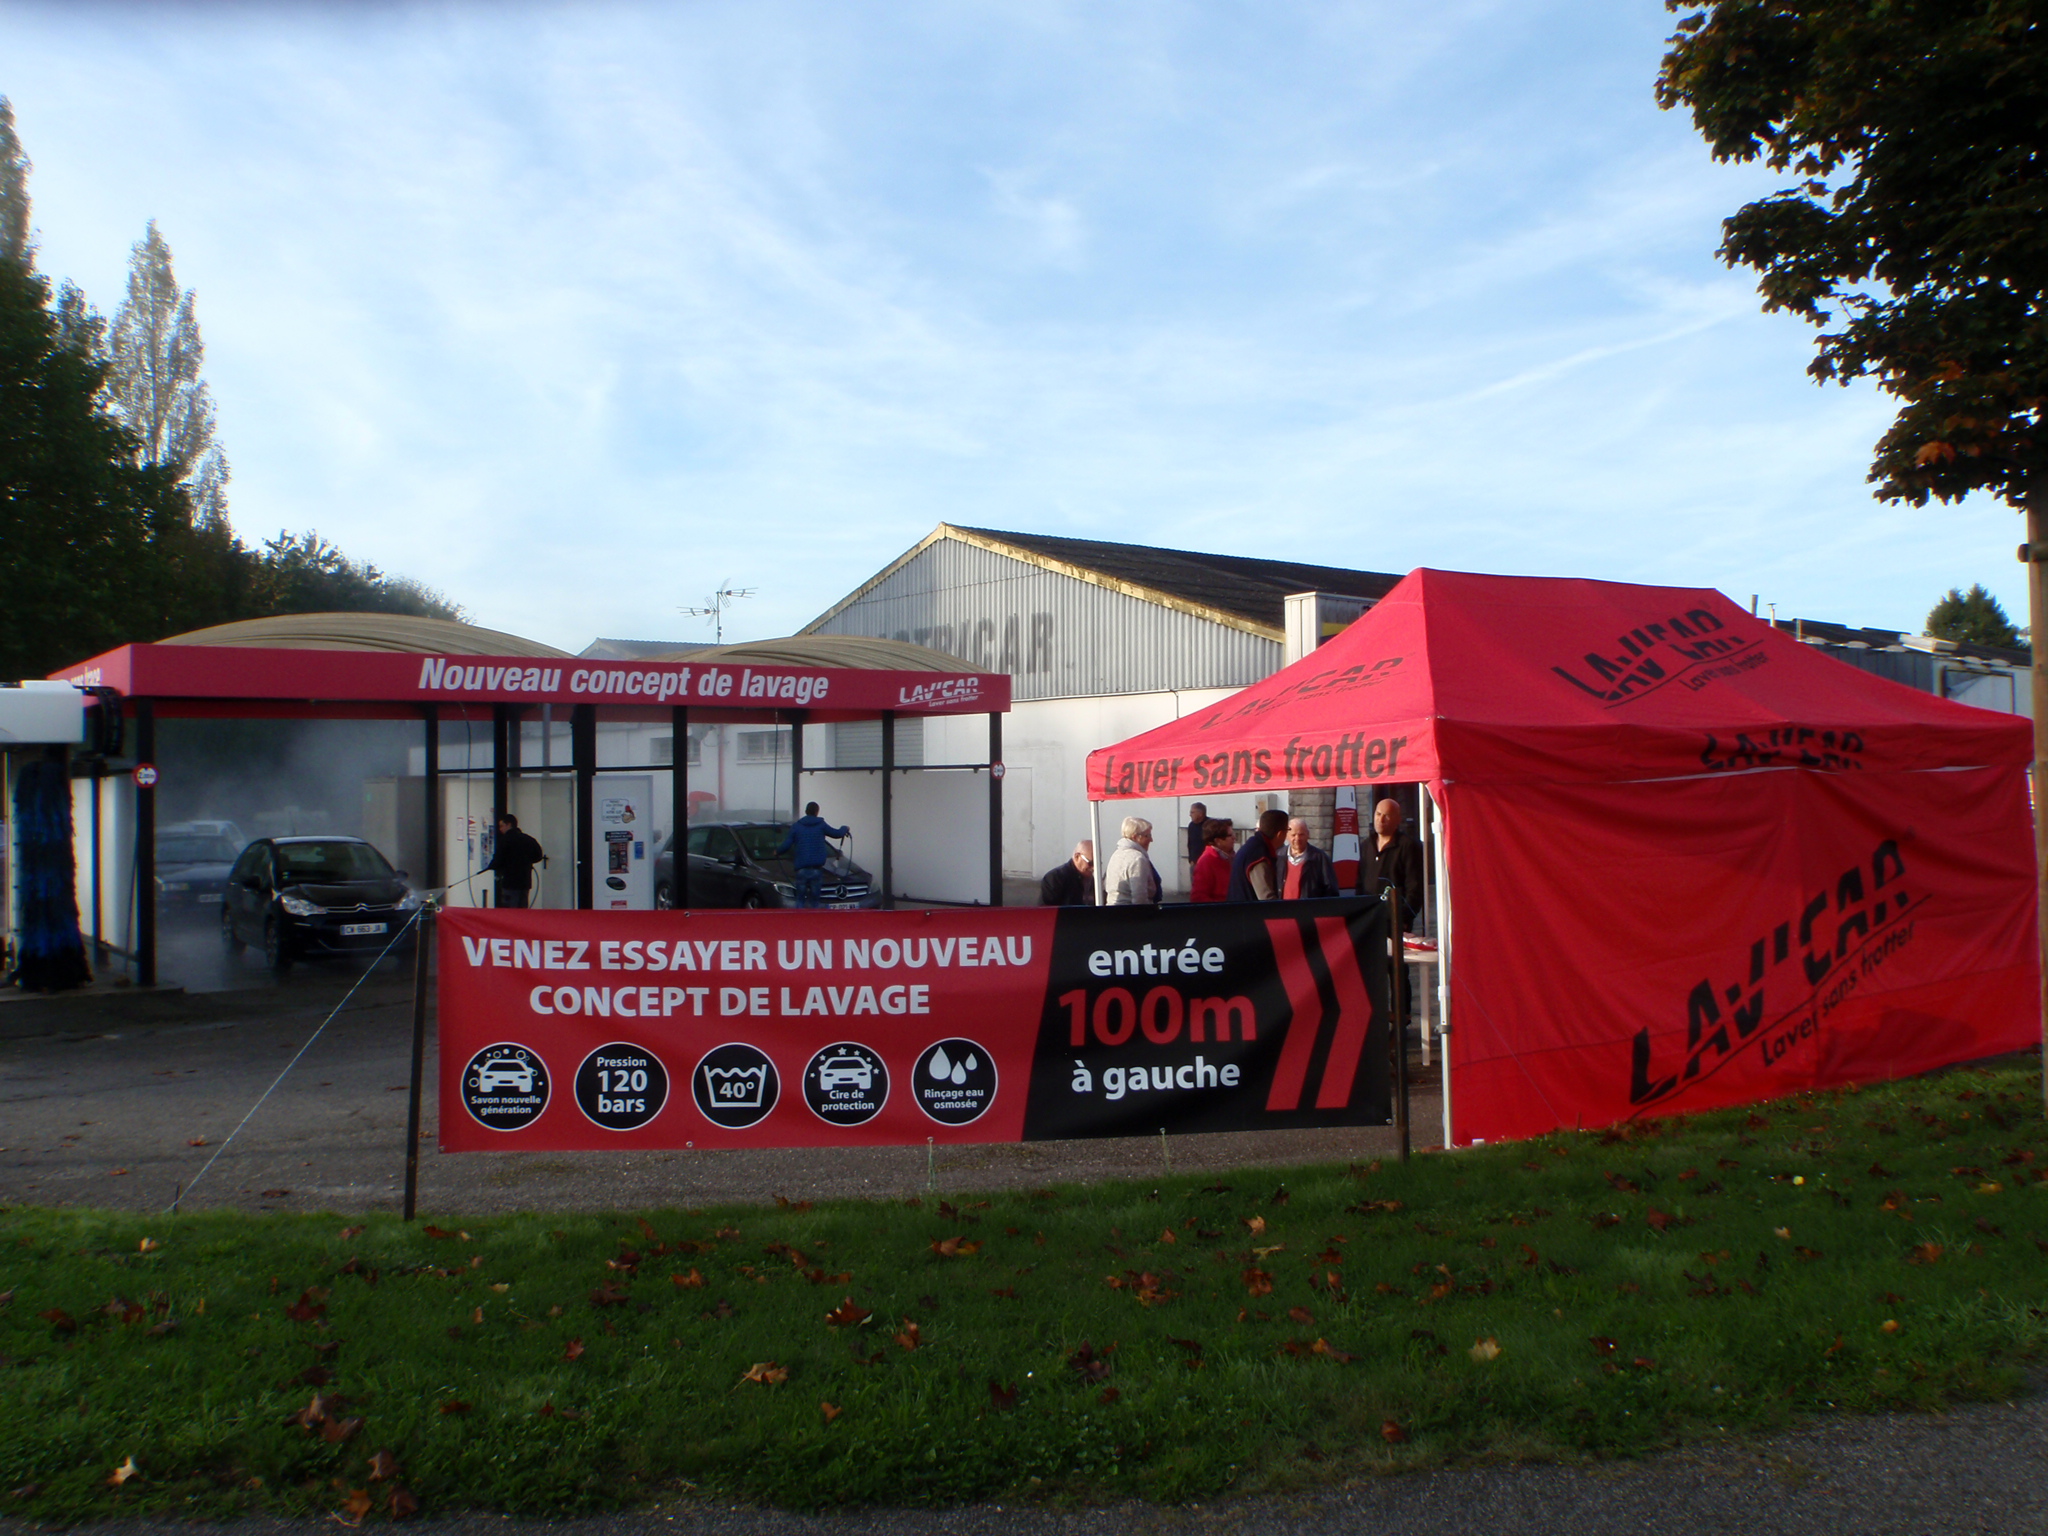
(365, 632)
(1239, 591)
(858, 652)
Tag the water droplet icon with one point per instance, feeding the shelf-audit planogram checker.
(973, 1064)
(960, 1072)
(941, 1067)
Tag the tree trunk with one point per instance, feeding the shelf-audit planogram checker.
(2037, 638)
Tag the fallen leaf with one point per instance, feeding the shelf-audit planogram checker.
(357, 1504)
(1111, 1394)
(435, 1232)
(574, 1351)
(909, 1338)
(58, 1319)
(1325, 1348)
(335, 1431)
(1926, 1253)
(693, 1281)
(1891, 1325)
(274, 1194)
(1167, 1236)
(1605, 1345)
(455, 1405)
(1258, 1283)
(1486, 1349)
(1784, 1233)
(847, 1315)
(1393, 1433)
(402, 1504)
(148, 1245)
(1256, 1223)
(123, 1473)
(830, 1410)
(766, 1372)
(1003, 1399)
(1301, 1315)
(955, 1247)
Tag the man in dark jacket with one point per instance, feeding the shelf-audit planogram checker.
(1198, 834)
(1305, 870)
(1072, 884)
(806, 837)
(1395, 859)
(512, 861)
(1252, 873)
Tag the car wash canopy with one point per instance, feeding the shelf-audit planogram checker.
(1690, 860)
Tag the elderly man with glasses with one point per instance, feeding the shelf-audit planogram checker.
(1072, 884)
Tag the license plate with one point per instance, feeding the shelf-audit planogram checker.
(842, 906)
(209, 898)
(359, 930)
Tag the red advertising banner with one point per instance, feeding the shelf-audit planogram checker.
(567, 1031)
(1663, 948)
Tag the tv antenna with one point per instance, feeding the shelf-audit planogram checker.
(715, 606)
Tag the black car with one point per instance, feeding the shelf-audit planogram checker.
(734, 864)
(296, 896)
(191, 872)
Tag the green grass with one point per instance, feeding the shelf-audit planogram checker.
(1719, 1274)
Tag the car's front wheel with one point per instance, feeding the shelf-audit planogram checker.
(277, 950)
(753, 901)
(664, 899)
(230, 941)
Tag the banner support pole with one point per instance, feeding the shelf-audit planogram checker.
(1397, 967)
(425, 927)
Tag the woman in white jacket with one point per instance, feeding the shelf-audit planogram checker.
(1129, 880)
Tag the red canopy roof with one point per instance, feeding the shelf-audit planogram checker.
(1480, 679)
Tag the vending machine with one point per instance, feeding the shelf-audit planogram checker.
(622, 843)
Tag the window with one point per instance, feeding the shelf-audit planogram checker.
(858, 743)
(662, 749)
(764, 746)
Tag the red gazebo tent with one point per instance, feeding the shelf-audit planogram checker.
(1685, 859)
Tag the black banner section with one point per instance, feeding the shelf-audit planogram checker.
(1261, 1016)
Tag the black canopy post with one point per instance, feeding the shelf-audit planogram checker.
(145, 844)
(99, 941)
(502, 728)
(679, 809)
(796, 762)
(583, 753)
(888, 810)
(431, 821)
(995, 809)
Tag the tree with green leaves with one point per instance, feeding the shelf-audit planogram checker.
(1974, 616)
(154, 379)
(1911, 228)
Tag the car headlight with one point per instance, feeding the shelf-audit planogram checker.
(298, 906)
(784, 888)
(410, 901)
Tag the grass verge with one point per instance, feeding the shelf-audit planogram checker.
(1579, 1294)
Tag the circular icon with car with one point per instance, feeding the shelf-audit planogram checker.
(846, 1084)
(505, 1086)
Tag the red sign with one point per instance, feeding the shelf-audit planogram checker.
(612, 1031)
(234, 672)
(145, 775)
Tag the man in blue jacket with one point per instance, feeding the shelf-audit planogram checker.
(807, 836)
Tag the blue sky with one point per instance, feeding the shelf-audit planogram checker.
(574, 310)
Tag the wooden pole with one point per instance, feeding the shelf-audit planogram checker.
(422, 934)
(2035, 553)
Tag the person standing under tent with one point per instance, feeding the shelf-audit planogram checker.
(805, 841)
(512, 859)
(1253, 876)
(1198, 834)
(1129, 879)
(1210, 880)
(1396, 862)
(1306, 873)
(1072, 884)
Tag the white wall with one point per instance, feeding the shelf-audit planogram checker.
(1046, 743)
